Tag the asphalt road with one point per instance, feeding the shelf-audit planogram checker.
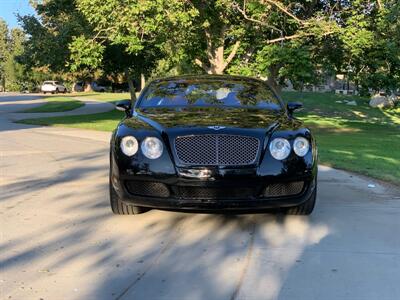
(59, 239)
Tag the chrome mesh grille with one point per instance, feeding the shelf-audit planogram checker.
(204, 193)
(283, 189)
(146, 188)
(217, 149)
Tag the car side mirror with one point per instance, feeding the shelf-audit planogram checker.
(125, 106)
(292, 106)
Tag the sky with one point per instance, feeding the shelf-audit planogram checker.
(9, 9)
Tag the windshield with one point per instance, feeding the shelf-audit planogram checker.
(209, 92)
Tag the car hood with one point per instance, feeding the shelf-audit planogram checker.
(164, 119)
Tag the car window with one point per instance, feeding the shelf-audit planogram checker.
(56, 82)
(209, 92)
(47, 82)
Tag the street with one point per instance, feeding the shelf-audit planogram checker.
(60, 240)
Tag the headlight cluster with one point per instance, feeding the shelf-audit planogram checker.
(151, 147)
(280, 148)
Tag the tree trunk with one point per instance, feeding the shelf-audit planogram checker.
(132, 89)
(142, 81)
(88, 86)
(273, 74)
(215, 53)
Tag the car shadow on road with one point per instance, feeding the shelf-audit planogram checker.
(159, 254)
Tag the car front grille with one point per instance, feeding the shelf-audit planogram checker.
(217, 149)
(283, 189)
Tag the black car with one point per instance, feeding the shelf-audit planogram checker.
(211, 143)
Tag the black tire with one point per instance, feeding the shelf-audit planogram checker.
(118, 207)
(57, 91)
(305, 208)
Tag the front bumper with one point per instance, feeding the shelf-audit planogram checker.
(220, 204)
(238, 192)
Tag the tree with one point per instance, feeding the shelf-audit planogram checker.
(50, 34)
(14, 70)
(3, 51)
(11, 46)
(276, 39)
(368, 48)
(211, 33)
(140, 29)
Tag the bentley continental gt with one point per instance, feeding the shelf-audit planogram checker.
(211, 143)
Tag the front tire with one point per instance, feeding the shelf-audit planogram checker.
(305, 208)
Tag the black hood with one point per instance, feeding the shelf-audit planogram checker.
(246, 118)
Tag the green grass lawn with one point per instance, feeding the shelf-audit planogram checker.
(56, 104)
(356, 138)
(103, 121)
(106, 97)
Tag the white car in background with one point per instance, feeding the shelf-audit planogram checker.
(53, 87)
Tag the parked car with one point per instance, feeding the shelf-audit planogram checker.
(98, 88)
(120, 87)
(80, 87)
(211, 143)
(53, 87)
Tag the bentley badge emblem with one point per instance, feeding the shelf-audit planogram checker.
(216, 127)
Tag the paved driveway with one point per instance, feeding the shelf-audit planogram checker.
(59, 239)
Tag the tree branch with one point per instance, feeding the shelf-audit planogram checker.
(244, 14)
(201, 64)
(295, 36)
(284, 10)
(232, 54)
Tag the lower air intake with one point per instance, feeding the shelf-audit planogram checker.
(204, 193)
(148, 189)
(283, 189)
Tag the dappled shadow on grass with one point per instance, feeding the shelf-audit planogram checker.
(356, 138)
(371, 150)
(329, 105)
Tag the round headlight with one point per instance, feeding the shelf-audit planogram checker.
(129, 145)
(301, 146)
(279, 148)
(152, 147)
